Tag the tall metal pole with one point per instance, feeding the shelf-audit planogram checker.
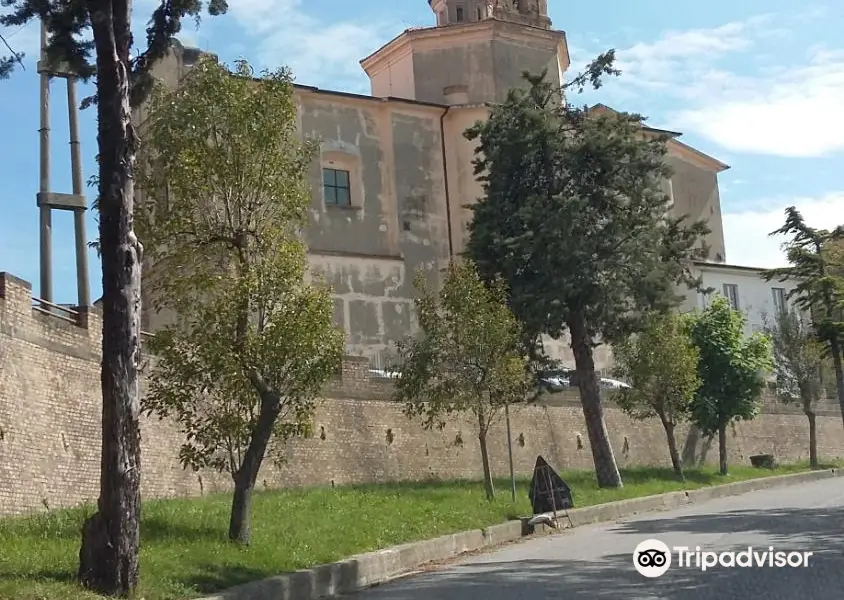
(510, 451)
(46, 220)
(48, 200)
(82, 286)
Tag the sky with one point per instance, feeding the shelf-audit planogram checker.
(758, 84)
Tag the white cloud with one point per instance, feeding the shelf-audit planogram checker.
(319, 52)
(779, 109)
(797, 114)
(658, 64)
(746, 233)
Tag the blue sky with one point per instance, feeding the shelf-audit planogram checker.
(757, 84)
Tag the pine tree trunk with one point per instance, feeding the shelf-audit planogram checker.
(813, 439)
(722, 448)
(606, 469)
(676, 463)
(108, 558)
(835, 348)
(246, 476)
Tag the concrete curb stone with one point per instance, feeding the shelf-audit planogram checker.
(372, 568)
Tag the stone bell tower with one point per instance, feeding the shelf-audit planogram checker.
(478, 47)
(527, 12)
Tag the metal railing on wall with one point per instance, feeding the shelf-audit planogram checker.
(65, 313)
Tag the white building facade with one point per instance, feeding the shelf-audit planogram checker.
(747, 291)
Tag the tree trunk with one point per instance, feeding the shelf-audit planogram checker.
(676, 463)
(722, 448)
(606, 470)
(246, 476)
(240, 530)
(835, 348)
(489, 488)
(108, 558)
(813, 439)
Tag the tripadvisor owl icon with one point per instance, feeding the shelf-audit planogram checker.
(652, 558)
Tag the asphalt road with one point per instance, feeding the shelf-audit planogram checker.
(596, 562)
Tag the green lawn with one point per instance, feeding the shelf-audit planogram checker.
(184, 552)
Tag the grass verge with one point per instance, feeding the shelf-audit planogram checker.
(184, 552)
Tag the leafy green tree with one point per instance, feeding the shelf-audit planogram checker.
(467, 358)
(732, 371)
(575, 220)
(253, 343)
(817, 267)
(661, 366)
(798, 365)
(110, 537)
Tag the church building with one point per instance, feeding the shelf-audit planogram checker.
(394, 172)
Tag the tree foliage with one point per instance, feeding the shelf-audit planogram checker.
(575, 219)
(661, 365)
(732, 370)
(467, 357)
(797, 358)
(816, 265)
(798, 365)
(253, 342)
(8, 63)
(69, 21)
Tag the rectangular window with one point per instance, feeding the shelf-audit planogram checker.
(336, 188)
(779, 299)
(731, 293)
(459, 14)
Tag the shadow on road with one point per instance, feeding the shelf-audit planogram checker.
(613, 577)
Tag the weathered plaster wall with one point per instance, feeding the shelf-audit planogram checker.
(372, 301)
(489, 67)
(397, 224)
(396, 80)
(50, 416)
(695, 191)
(463, 186)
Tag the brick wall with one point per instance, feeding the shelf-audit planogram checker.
(50, 422)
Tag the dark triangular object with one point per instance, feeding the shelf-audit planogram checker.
(545, 485)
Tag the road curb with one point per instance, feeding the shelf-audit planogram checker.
(372, 568)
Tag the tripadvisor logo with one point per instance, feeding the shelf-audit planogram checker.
(652, 558)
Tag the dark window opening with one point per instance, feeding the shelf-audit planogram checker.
(731, 292)
(480, 14)
(335, 185)
(459, 14)
(779, 300)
